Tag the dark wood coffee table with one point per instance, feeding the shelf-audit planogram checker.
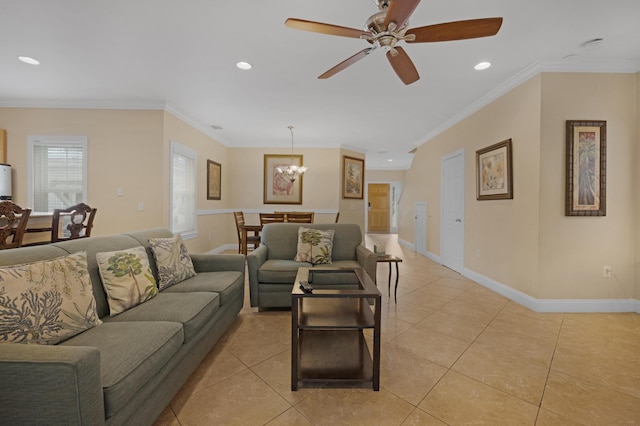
(327, 339)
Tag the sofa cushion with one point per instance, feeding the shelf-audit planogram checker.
(280, 271)
(192, 310)
(172, 260)
(227, 283)
(126, 277)
(47, 301)
(130, 354)
(314, 245)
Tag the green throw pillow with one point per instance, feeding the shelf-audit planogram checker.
(126, 277)
(314, 246)
(46, 302)
(172, 259)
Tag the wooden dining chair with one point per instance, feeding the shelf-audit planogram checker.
(13, 222)
(337, 217)
(300, 217)
(254, 239)
(271, 218)
(78, 220)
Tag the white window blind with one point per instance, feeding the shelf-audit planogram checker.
(57, 172)
(183, 190)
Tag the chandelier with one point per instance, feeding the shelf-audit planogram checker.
(291, 171)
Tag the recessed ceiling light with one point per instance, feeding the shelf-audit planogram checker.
(243, 65)
(28, 60)
(390, 160)
(482, 66)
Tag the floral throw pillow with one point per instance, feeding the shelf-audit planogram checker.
(172, 259)
(46, 302)
(314, 246)
(127, 278)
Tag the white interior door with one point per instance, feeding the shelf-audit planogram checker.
(421, 228)
(452, 219)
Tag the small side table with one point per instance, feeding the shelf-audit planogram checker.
(389, 258)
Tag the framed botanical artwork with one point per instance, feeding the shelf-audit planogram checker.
(214, 180)
(278, 189)
(495, 172)
(586, 168)
(352, 177)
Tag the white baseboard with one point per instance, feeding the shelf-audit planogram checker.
(542, 305)
(554, 305)
(223, 248)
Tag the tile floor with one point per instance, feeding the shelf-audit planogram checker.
(453, 353)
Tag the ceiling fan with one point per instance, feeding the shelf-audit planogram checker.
(389, 26)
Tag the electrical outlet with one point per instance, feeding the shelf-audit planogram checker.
(607, 271)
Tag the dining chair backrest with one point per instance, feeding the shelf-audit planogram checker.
(13, 222)
(239, 218)
(300, 217)
(78, 220)
(271, 217)
(337, 217)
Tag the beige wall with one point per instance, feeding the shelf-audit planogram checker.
(527, 243)
(386, 175)
(573, 250)
(124, 150)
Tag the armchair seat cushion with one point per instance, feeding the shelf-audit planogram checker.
(131, 353)
(191, 310)
(228, 284)
(279, 271)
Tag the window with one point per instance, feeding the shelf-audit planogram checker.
(183, 190)
(56, 172)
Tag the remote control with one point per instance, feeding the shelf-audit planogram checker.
(305, 286)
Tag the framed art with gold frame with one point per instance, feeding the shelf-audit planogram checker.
(214, 180)
(586, 183)
(278, 189)
(494, 172)
(352, 177)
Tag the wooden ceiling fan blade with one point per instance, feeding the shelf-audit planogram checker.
(319, 27)
(346, 63)
(458, 30)
(399, 12)
(403, 66)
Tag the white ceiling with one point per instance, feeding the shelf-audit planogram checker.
(181, 55)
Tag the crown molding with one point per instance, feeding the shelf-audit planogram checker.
(530, 71)
(82, 104)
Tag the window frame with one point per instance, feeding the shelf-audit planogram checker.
(56, 141)
(179, 149)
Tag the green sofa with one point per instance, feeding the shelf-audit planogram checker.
(128, 369)
(272, 270)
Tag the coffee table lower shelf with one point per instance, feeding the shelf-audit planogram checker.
(333, 356)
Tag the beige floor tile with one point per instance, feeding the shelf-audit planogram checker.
(276, 372)
(620, 374)
(354, 406)
(483, 296)
(420, 418)
(218, 365)
(255, 339)
(460, 327)
(589, 404)
(503, 370)
(507, 322)
(390, 328)
(406, 375)
(530, 349)
(549, 418)
(242, 399)
(475, 311)
(518, 309)
(291, 417)
(408, 310)
(430, 345)
(457, 399)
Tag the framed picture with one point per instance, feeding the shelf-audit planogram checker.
(586, 168)
(279, 189)
(214, 180)
(495, 172)
(352, 177)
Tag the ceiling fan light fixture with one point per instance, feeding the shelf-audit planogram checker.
(29, 60)
(482, 66)
(244, 65)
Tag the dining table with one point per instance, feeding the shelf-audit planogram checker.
(244, 230)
